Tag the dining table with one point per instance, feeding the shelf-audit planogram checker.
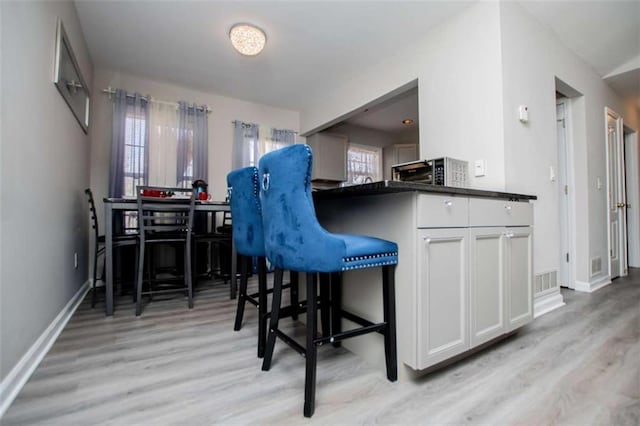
(113, 207)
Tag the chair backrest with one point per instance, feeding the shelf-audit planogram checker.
(92, 210)
(294, 240)
(246, 223)
(165, 210)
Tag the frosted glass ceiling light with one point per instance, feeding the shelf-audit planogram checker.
(247, 39)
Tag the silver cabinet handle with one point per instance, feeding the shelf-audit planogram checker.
(507, 207)
(509, 234)
(448, 203)
(426, 239)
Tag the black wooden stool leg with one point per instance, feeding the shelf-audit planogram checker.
(336, 305)
(293, 293)
(242, 297)
(275, 315)
(389, 307)
(262, 305)
(95, 276)
(311, 349)
(325, 309)
(139, 279)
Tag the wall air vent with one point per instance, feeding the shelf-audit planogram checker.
(596, 266)
(545, 281)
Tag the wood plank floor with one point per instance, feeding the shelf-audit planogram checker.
(577, 365)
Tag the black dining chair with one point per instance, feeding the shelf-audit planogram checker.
(165, 218)
(211, 248)
(99, 245)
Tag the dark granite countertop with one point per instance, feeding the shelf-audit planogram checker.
(389, 186)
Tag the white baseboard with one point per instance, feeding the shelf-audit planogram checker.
(20, 373)
(590, 287)
(547, 303)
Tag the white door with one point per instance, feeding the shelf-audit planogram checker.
(566, 255)
(443, 294)
(486, 284)
(617, 203)
(518, 273)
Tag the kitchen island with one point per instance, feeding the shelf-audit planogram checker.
(464, 273)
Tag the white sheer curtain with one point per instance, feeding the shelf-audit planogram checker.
(278, 138)
(163, 139)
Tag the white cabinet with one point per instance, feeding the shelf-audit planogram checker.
(474, 278)
(443, 293)
(501, 287)
(518, 276)
(397, 154)
(487, 284)
(329, 156)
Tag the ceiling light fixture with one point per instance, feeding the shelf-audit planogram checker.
(407, 121)
(247, 39)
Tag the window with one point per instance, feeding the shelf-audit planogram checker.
(363, 164)
(134, 153)
(185, 173)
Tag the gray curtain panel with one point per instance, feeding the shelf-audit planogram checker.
(129, 144)
(283, 137)
(245, 144)
(193, 143)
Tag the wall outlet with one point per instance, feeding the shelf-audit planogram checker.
(479, 168)
(75, 260)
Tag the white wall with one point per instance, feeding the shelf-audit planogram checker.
(532, 58)
(45, 168)
(458, 67)
(224, 110)
(363, 135)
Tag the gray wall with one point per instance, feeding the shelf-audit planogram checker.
(44, 169)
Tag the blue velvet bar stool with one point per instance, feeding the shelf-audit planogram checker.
(246, 223)
(294, 240)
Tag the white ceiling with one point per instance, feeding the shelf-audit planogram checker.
(310, 43)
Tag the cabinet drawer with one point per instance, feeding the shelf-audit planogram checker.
(483, 212)
(439, 211)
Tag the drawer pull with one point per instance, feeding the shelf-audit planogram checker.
(448, 203)
(509, 234)
(426, 239)
(507, 208)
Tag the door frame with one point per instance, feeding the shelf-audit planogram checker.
(632, 172)
(568, 241)
(622, 228)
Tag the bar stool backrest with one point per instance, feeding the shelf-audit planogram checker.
(246, 212)
(294, 240)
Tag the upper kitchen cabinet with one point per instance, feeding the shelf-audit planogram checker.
(397, 154)
(329, 156)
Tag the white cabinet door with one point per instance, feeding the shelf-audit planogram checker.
(329, 157)
(518, 276)
(487, 284)
(443, 294)
(397, 154)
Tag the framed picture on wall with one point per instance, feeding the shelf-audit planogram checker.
(68, 78)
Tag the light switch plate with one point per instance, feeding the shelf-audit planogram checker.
(479, 168)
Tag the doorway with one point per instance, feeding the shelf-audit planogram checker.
(632, 184)
(617, 206)
(565, 168)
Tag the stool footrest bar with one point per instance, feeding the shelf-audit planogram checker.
(350, 333)
(292, 343)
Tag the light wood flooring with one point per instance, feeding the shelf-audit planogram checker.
(578, 365)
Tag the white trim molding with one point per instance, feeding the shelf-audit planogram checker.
(22, 371)
(590, 287)
(546, 303)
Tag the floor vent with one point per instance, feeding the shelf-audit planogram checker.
(545, 281)
(596, 266)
